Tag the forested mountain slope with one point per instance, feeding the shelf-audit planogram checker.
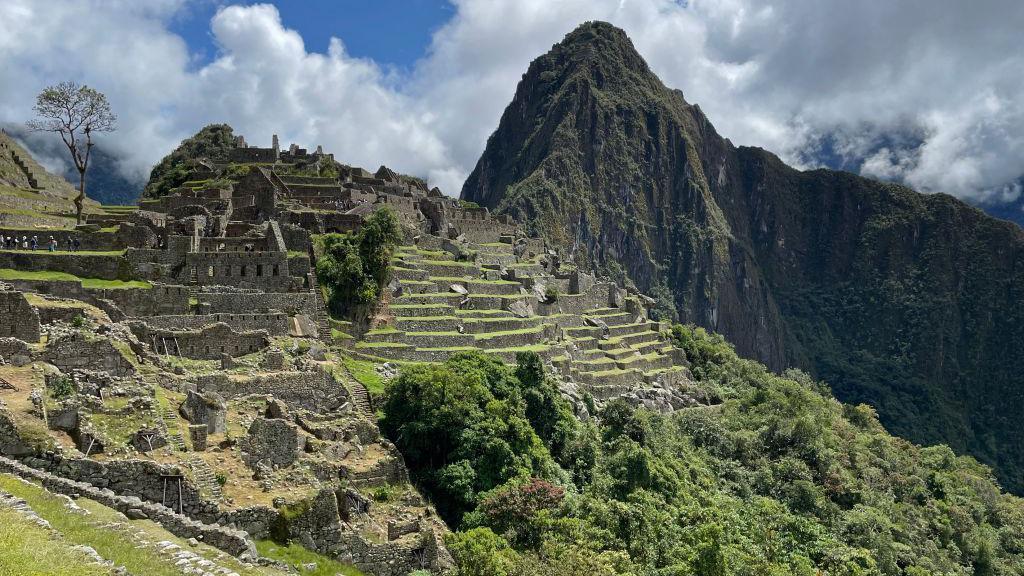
(908, 302)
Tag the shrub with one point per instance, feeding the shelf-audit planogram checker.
(61, 386)
(354, 267)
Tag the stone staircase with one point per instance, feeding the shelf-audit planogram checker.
(204, 477)
(322, 320)
(167, 416)
(32, 181)
(360, 397)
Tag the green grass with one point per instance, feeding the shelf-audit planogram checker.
(365, 372)
(42, 251)
(97, 530)
(340, 335)
(30, 549)
(9, 274)
(295, 555)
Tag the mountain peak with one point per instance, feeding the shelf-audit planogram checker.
(598, 43)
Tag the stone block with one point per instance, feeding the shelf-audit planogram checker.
(198, 434)
(205, 408)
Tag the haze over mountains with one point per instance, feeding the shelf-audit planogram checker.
(908, 302)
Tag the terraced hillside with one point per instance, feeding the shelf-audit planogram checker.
(503, 303)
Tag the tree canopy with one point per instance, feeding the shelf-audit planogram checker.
(779, 478)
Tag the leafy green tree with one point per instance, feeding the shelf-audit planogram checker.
(354, 268)
(463, 430)
(481, 552)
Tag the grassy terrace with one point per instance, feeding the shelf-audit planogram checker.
(31, 549)
(128, 543)
(455, 279)
(42, 251)
(9, 274)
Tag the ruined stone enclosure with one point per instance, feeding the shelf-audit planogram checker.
(184, 358)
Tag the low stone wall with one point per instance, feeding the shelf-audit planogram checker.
(598, 296)
(234, 542)
(54, 314)
(207, 343)
(258, 302)
(81, 265)
(274, 323)
(18, 319)
(313, 390)
(160, 299)
(79, 351)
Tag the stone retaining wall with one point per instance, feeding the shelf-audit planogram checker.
(258, 302)
(18, 319)
(106, 267)
(79, 351)
(313, 390)
(234, 542)
(274, 323)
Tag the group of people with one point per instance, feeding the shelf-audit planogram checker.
(32, 243)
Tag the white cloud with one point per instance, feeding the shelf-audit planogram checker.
(928, 92)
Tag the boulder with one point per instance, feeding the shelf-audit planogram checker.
(206, 408)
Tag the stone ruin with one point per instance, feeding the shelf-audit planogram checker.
(226, 356)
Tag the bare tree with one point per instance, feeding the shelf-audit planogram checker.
(75, 112)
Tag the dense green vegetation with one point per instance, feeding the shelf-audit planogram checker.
(213, 141)
(777, 479)
(908, 302)
(353, 268)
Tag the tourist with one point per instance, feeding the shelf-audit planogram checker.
(53, 244)
(75, 244)
(24, 242)
(35, 242)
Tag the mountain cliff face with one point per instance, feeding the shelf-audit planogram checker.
(905, 301)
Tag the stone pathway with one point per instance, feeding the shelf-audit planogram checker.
(169, 420)
(204, 477)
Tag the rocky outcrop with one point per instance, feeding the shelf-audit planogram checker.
(205, 408)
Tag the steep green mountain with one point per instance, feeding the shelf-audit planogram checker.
(908, 302)
(212, 141)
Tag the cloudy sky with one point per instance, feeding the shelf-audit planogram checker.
(929, 92)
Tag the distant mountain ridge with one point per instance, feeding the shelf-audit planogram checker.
(104, 181)
(906, 301)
